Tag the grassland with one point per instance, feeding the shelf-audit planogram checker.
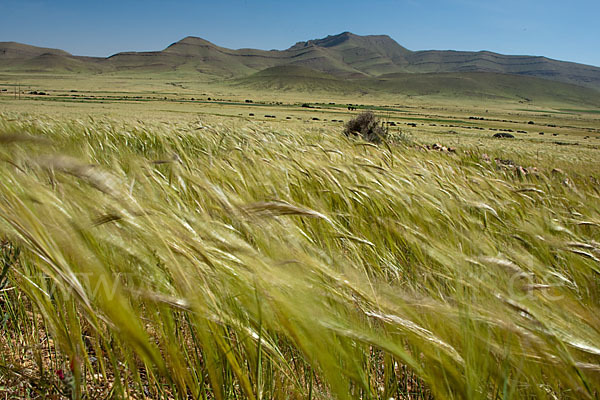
(156, 246)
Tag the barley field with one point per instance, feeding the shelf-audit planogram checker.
(223, 257)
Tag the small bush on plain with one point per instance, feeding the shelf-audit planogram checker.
(367, 126)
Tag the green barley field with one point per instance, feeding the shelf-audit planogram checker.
(155, 246)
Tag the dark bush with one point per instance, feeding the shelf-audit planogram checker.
(503, 135)
(367, 126)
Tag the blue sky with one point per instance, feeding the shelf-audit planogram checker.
(566, 30)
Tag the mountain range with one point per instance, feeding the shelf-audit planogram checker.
(343, 57)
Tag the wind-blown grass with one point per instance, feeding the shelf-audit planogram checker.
(230, 261)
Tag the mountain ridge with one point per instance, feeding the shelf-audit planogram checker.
(345, 55)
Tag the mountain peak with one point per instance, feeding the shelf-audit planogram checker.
(193, 40)
(349, 38)
(187, 42)
(329, 41)
(344, 35)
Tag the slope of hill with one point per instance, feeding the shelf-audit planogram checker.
(296, 78)
(26, 58)
(13, 50)
(58, 63)
(361, 55)
(486, 85)
(190, 55)
(344, 55)
(485, 61)
(476, 85)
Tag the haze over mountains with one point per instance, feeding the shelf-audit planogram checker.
(340, 59)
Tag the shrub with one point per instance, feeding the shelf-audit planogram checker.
(367, 126)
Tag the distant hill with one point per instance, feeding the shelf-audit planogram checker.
(378, 55)
(295, 78)
(18, 51)
(475, 85)
(345, 55)
(486, 61)
(25, 58)
(487, 85)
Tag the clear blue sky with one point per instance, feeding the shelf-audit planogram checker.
(566, 30)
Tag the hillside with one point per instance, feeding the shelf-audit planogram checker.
(486, 61)
(295, 78)
(344, 56)
(18, 51)
(476, 85)
(26, 58)
(486, 85)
